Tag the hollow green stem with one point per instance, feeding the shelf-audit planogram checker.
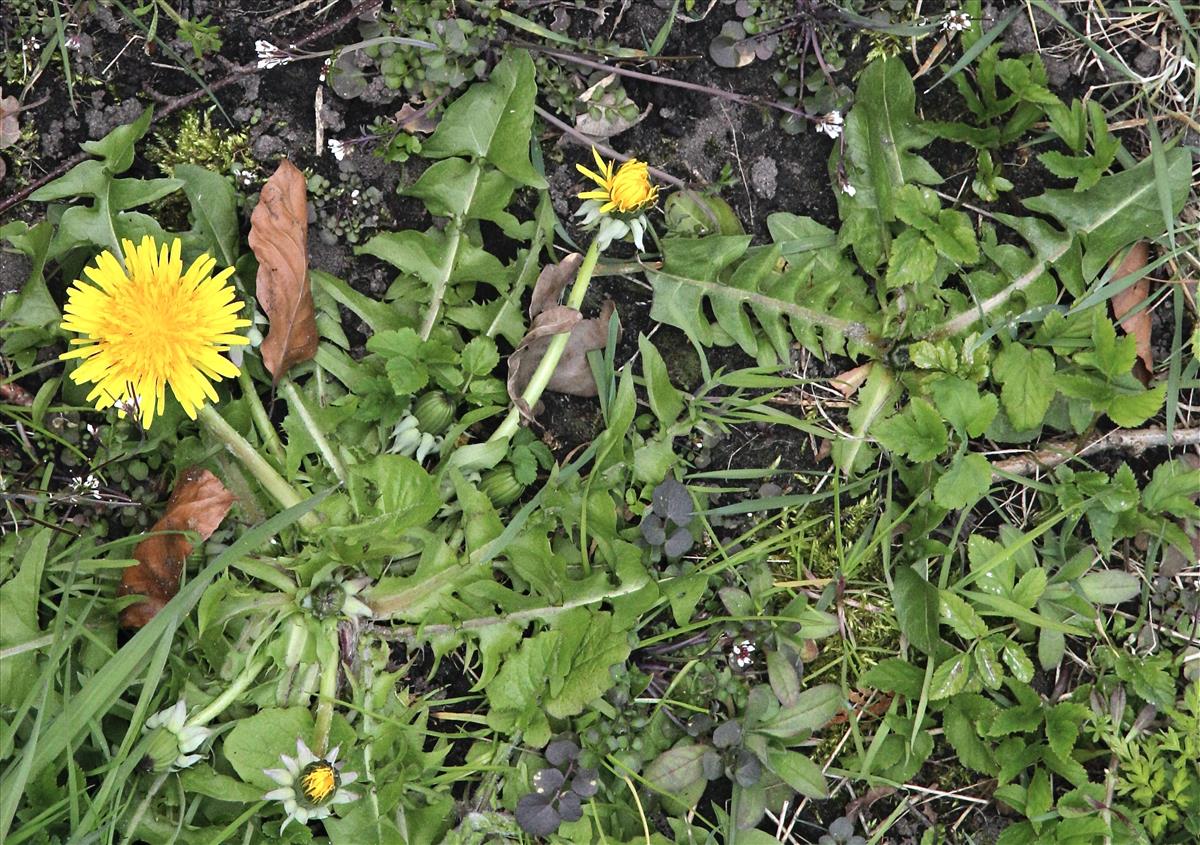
(545, 368)
(292, 394)
(240, 448)
(218, 705)
(327, 693)
(258, 413)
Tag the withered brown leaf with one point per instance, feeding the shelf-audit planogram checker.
(1136, 325)
(198, 503)
(551, 282)
(10, 126)
(415, 121)
(573, 375)
(279, 238)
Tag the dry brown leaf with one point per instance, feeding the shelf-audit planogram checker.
(10, 126)
(551, 282)
(198, 503)
(416, 121)
(849, 382)
(573, 375)
(1136, 325)
(279, 238)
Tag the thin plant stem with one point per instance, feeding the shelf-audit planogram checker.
(262, 421)
(292, 393)
(745, 99)
(545, 368)
(240, 448)
(218, 705)
(143, 807)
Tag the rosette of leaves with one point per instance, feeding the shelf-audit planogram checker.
(457, 59)
(607, 108)
(754, 34)
(665, 526)
(754, 751)
(558, 791)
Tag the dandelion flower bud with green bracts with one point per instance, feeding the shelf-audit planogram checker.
(172, 740)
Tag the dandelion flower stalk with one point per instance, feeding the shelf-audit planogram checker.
(618, 204)
(558, 344)
(271, 481)
(327, 693)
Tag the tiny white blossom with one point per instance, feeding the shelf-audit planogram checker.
(269, 55)
(847, 188)
(338, 148)
(81, 484)
(957, 21)
(131, 406)
(831, 124)
(741, 654)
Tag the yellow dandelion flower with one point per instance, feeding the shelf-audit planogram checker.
(626, 189)
(149, 324)
(318, 781)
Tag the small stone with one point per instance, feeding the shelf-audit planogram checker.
(764, 174)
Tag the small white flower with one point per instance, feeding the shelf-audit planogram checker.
(741, 654)
(831, 124)
(338, 148)
(82, 485)
(847, 188)
(269, 55)
(309, 786)
(131, 406)
(178, 739)
(957, 21)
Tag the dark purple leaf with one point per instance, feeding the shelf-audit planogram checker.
(586, 783)
(678, 543)
(535, 815)
(748, 769)
(570, 808)
(561, 752)
(727, 735)
(652, 530)
(547, 781)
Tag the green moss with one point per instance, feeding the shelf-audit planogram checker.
(196, 141)
(824, 560)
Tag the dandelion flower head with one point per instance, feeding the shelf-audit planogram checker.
(309, 786)
(626, 189)
(149, 324)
